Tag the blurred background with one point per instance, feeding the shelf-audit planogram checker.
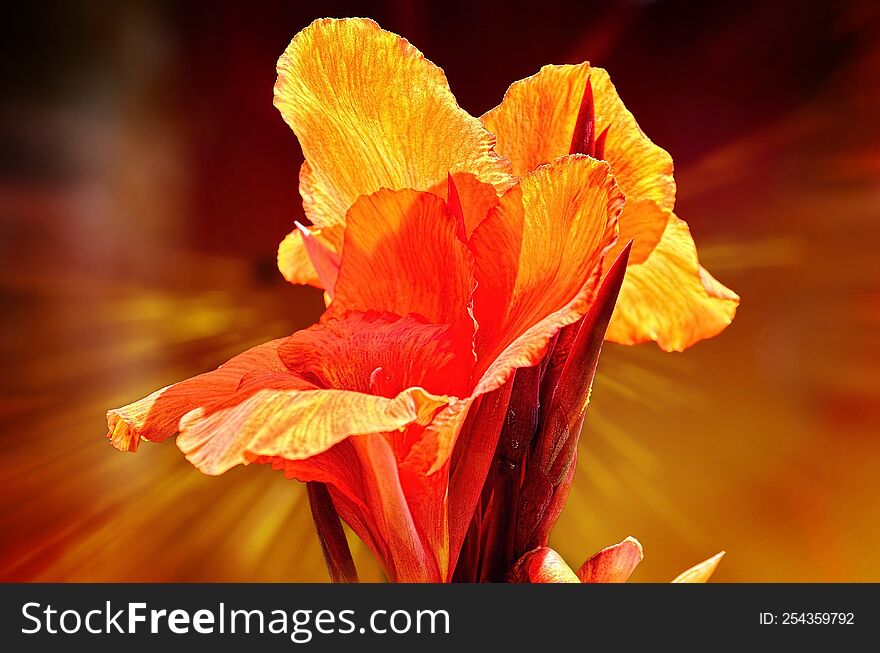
(146, 180)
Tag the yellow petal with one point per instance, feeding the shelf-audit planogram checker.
(643, 223)
(535, 122)
(318, 201)
(669, 298)
(294, 424)
(294, 262)
(534, 125)
(371, 112)
(700, 573)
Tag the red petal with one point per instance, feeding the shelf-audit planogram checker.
(519, 429)
(345, 353)
(585, 126)
(614, 564)
(542, 565)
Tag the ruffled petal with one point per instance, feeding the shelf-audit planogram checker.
(538, 259)
(700, 573)
(613, 564)
(157, 416)
(534, 125)
(671, 299)
(380, 353)
(536, 119)
(642, 222)
(368, 373)
(294, 424)
(371, 112)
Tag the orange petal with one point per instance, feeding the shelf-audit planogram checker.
(534, 125)
(363, 477)
(470, 463)
(614, 564)
(302, 264)
(411, 560)
(475, 197)
(371, 112)
(157, 416)
(542, 565)
(345, 354)
(347, 361)
(536, 119)
(294, 424)
(427, 498)
(671, 299)
(642, 222)
(402, 254)
(393, 354)
(538, 258)
(700, 573)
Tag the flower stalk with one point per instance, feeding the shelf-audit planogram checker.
(334, 545)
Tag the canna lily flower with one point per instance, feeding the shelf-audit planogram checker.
(468, 296)
(613, 564)
(415, 354)
(371, 112)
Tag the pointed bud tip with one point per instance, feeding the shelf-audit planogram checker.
(701, 572)
(583, 138)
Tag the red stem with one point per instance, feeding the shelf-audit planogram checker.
(337, 555)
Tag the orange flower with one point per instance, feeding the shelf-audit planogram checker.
(372, 400)
(613, 564)
(371, 112)
(469, 297)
